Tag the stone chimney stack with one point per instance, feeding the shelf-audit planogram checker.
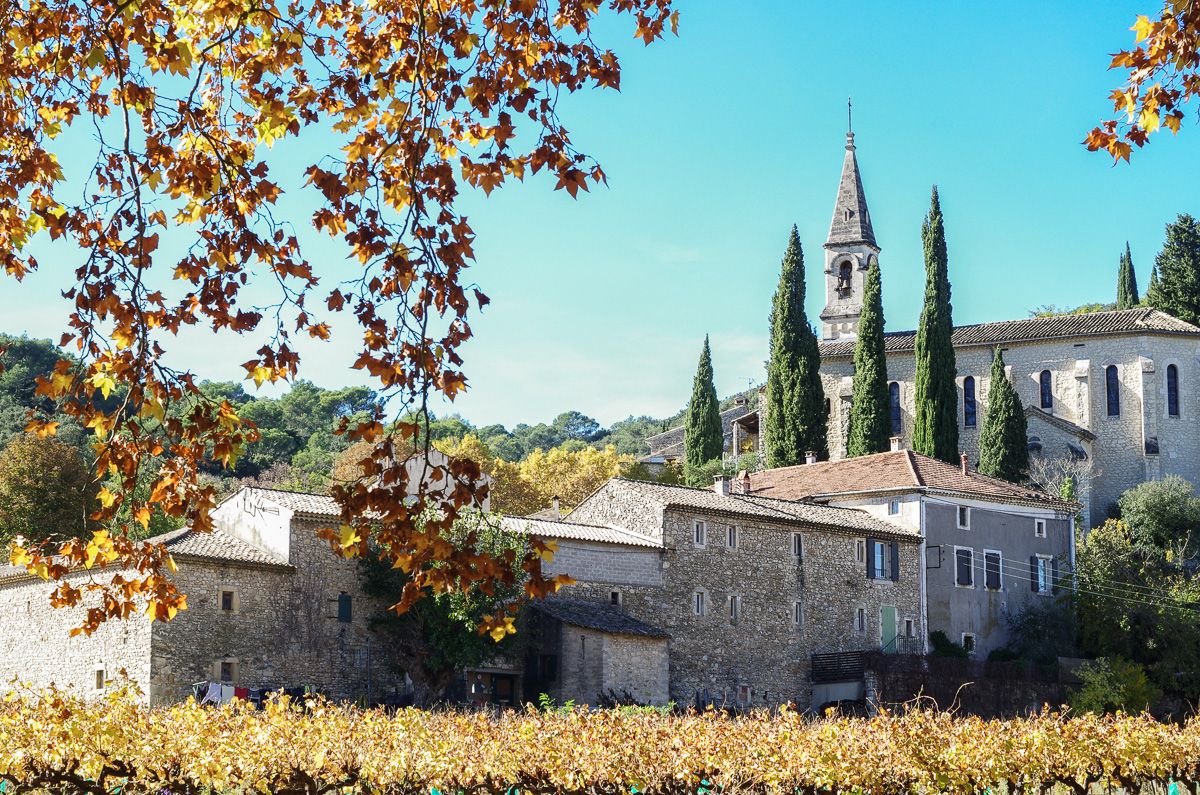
(744, 482)
(721, 485)
(897, 443)
(810, 457)
(555, 506)
(964, 464)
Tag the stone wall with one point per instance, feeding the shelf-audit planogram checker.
(594, 665)
(285, 631)
(613, 564)
(36, 647)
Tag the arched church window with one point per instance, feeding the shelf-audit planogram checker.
(1172, 390)
(969, 402)
(1047, 392)
(894, 404)
(1112, 390)
(844, 276)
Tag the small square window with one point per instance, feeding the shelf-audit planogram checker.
(860, 550)
(698, 603)
(699, 534)
(614, 597)
(893, 507)
(860, 619)
(228, 601)
(735, 607)
(968, 642)
(909, 628)
(731, 536)
(1039, 528)
(964, 517)
(228, 670)
(100, 679)
(797, 545)
(798, 614)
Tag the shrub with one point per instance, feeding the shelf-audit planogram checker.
(1114, 685)
(944, 647)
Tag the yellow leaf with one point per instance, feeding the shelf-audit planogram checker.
(1148, 120)
(349, 538)
(20, 556)
(151, 408)
(1142, 27)
(142, 515)
(106, 497)
(104, 382)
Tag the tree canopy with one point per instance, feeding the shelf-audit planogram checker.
(703, 437)
(1003, 439)
(46, 490)
(1127, 289)
(870, 418)
(1176, 286)
(935, 425)
(175, 109)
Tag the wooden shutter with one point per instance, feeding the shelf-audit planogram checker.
(895, 562)
(1054, 575)
(1033, 573)
(871, 575)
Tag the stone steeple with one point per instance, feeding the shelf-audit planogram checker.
(849, 251)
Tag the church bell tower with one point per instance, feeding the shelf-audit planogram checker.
(849, 251)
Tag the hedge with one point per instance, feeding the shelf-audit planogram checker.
(59, 742)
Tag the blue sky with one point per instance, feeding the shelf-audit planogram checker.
(724, 137)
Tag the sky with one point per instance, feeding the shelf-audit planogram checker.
(724, 137)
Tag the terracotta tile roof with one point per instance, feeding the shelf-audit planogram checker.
(596, 615)
(554, 528)
(763, 508)
(1092, 324)
(900, 469)
(184, 544)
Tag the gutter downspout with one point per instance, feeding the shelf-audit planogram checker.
(924, 563)
(1074, 584)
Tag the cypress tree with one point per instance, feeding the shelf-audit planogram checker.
(870, 418)
(1175, 286)
(703, 439)
(1127, 290)
(1153, 295)
(1003, 440)
(796, 414)
(935, 428)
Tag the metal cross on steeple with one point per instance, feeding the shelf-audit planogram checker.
(849, 115)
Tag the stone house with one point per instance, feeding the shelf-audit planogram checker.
(269, 605)
(988, 547)
(739, 425)
(747, 588)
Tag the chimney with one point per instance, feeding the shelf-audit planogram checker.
(721, 484)
(897, 443)
(744, 480)
(810, 457)
(964, 464)
(554, 505)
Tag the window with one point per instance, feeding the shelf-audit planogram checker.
(797, 545)
(910, 630)
(992, 564)
(964, 567)
(698, 603)
(699, 534)
(731, 539)
(100, 679)
(883, 560)
(1172, 390)
(860, 619)
(228, 601)
(798, 614)
(860, 550)
(1039, 528)
(968, 642)
(964, 517)
(614, 598)
(1043, 574)
(735, 607)
(227, 670)
(893, 507)
(894, 406)
(1044, 380)
(1112, 390)
(969, 402)
(345, 604)
(844, 276)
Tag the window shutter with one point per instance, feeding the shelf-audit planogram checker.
(871, 558)
(1054, 575)
(895, 561)
(1033, 573)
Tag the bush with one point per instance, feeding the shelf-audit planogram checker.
(1114, 685)
(60, 743)
(944, 647)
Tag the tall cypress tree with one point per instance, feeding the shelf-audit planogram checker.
(1127, 290)
(1176, 290)
(796, 414)
(1153, 294)
(1003, 440)
(870, 418)
(935, 428)
(703, 439)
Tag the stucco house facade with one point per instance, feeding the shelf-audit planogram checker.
(988, 547)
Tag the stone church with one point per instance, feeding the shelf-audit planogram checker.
(1113, 398)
